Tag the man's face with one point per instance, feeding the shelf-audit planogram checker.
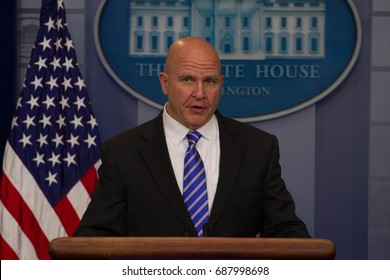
(193, 86)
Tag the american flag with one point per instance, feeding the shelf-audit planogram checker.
(52, 154)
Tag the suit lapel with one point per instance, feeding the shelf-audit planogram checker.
(155, 153)
(231, 153)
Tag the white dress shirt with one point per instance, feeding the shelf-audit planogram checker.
(207, 146)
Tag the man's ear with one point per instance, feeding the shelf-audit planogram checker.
(164, 82)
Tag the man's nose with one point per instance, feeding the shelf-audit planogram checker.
(199, 91)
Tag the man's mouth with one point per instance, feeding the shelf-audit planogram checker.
(197, 109)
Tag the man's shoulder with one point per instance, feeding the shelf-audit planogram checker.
(244, 129)
(128, 136)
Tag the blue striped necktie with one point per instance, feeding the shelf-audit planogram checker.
(194, 184)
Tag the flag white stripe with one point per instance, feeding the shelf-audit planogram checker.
(32, 195)
(97, 165)
(79, 198)
(10, 229)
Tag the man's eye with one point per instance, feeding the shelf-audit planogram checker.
(210, 82)
(187, 79)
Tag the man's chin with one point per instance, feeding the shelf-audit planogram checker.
(197, 121)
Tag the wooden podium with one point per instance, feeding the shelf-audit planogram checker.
(93, 248)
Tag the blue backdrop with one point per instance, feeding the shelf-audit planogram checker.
(7, 68)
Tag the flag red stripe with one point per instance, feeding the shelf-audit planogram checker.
(67, 215)
(25, 218)
(64, 208)
(90, 180)
(6, 252)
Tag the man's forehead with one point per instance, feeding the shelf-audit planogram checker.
(183, 71)
(196, 66)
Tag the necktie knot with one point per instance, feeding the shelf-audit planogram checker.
(193, 138)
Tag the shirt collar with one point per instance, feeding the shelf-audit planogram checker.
(176, 132)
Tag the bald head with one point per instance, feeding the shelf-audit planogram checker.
(193, 47)
(192, 81)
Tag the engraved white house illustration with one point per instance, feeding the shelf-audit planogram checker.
(238, 29)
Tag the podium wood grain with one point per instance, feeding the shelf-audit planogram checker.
(190, 248)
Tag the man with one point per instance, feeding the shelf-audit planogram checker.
(145, 190)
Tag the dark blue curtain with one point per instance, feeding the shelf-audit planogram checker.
(7, 69)
(341, 212)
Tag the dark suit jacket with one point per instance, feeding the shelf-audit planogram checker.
(137, 194)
